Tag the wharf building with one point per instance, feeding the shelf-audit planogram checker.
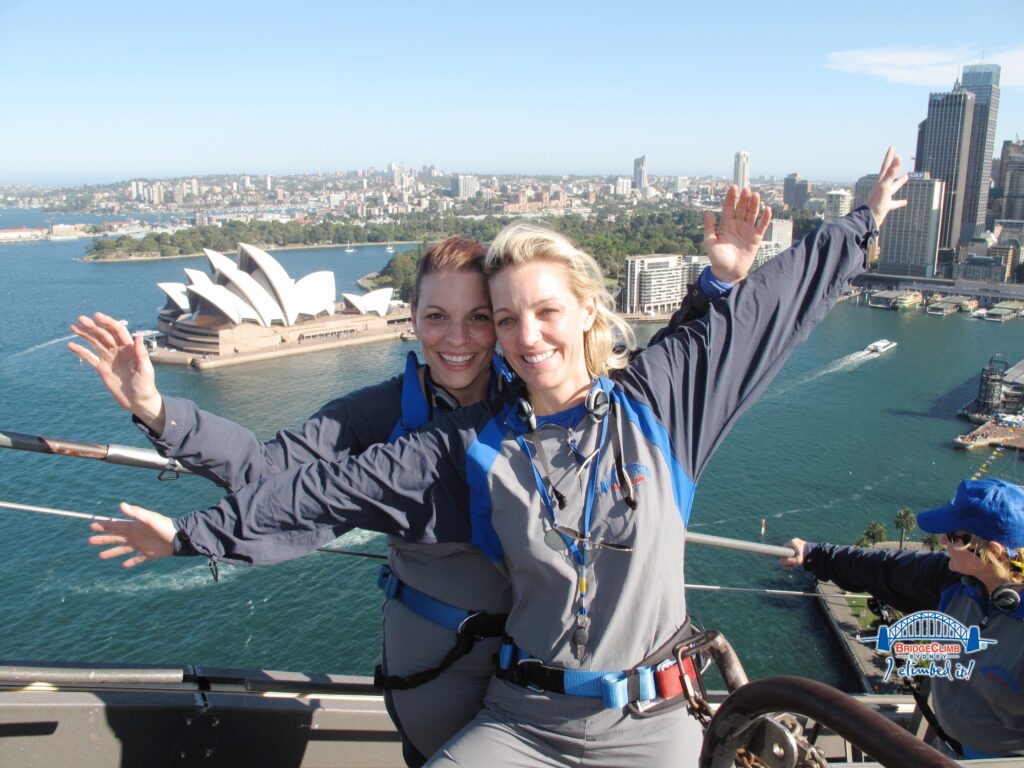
(1000, 391)
(741, 169)
(909, 241)
(254, 309)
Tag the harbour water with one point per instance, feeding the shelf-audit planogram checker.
(841, 438)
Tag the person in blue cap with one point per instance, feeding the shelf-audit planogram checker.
(978, 581)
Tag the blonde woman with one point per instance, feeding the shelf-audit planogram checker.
(977, 581)
(580, 489)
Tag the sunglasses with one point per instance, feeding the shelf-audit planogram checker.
(963, 538)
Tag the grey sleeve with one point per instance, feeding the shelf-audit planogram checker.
(232, 456)
(698, 380)
(414, 488)
(908, 581)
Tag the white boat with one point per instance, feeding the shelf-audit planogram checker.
(390, 248)
(880, 346)
(349, 248)
(979, 313)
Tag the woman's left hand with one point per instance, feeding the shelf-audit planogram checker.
(732, 247)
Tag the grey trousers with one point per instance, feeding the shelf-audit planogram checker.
(520, 729)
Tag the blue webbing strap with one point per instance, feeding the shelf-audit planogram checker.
(611, 687)
(421, 604)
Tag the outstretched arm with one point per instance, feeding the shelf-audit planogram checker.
(122, 364)
(146, 535)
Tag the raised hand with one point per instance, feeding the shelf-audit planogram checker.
(880, 200)
(146, 536)
(123, 365)
(732, 247)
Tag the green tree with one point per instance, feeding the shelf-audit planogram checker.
(932, 541)
(875, 532)
(905, 522)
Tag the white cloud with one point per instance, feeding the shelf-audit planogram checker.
(931, 67)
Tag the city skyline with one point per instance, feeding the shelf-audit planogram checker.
(142, 92)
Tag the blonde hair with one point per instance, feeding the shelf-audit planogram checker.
(1009, 566)
(606, 345)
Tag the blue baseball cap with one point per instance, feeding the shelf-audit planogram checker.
(990, 508)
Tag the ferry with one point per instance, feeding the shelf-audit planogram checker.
(880, 346)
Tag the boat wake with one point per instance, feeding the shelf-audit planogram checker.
(846, 363)
(45, 344)
(197, 577)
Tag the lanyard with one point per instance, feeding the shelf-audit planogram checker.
(580, 635)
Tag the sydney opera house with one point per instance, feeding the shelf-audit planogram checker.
(254, 309)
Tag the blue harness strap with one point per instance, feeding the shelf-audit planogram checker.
(420, 603)
(613, 688)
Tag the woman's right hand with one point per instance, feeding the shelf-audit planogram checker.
(791, 562)
(146, 536)
(123, 365)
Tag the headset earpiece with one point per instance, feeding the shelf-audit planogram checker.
(597, 404)
(445, 401)
(525, 409)
(1006, 598)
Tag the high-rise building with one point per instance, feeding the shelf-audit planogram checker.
(1013, 189)
(789, 190)
(465, 187)
(741, 170)
(654, 284)
(863, 188)
(623, 186)
(909, 241)
(943, 149)
(837, 203)
(983, 81)
(640, 173)
(1010, 182)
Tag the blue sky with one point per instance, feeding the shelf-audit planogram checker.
(116, 90)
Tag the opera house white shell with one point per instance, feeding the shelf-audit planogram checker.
(378, 301)
(253, 309)
(257, 290)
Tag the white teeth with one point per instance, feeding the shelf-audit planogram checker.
(540, 358)
(455, 359)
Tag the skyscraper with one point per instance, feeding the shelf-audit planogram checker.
(909, 241)
(863, 188)
(640, 173)
(741, 170)
(789, 191)
(943, 143)
(1011, 179)
(983, 81)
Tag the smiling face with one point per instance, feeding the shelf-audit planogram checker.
(540, 326)
(454, 325)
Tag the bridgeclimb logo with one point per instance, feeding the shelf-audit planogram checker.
(928, 644)
(637, 473)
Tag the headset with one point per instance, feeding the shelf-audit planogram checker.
(1006, 598)
(597, 405)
